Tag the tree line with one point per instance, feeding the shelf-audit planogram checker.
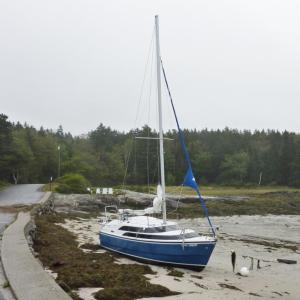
(108, 157)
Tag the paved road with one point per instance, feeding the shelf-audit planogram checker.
(21, 194)
(15, 194)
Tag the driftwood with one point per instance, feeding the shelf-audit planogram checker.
(286, 261)
(280, 260)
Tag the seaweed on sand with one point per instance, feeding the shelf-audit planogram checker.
(175, 273)
(91, 247)
(58, 250)
(229, 286)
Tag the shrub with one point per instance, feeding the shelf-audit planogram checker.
(72, 183)
(3, 184)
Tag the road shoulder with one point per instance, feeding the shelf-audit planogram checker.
(25, 274)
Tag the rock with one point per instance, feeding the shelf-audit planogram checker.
(58, 263)
(244, 271)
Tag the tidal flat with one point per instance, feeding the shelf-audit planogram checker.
(69, 246)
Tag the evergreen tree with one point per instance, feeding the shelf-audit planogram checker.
(226, 156)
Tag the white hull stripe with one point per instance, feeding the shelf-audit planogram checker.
(155, 260)
(138, 240)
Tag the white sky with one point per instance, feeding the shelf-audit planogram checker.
(78, 63)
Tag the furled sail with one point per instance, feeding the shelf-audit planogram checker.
(157, 202)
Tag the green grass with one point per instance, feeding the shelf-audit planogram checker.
(206, 190)
(3, 184)
(261, 200)
(50, 187)
(277, 203)
(231, 191)
(216, 190)
(137, 188)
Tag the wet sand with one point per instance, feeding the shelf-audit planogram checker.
(264, 237)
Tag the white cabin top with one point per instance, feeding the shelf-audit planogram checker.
(144, 221)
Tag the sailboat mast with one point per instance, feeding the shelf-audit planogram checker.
(161, 138)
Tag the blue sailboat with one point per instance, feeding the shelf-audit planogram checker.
(140, 236)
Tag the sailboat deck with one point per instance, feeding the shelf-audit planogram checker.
(149, 228)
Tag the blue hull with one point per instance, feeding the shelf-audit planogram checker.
(191, 255)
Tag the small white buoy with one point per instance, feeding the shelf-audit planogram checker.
(244, 271)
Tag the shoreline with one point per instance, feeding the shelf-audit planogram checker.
(261, 237)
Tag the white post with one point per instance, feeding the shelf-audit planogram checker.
(58, 171)
(161, 138)
(260, 176)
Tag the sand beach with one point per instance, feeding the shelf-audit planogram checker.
(264, 238)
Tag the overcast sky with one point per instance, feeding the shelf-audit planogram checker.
(78, 63)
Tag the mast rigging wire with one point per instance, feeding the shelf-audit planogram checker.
(127, 158)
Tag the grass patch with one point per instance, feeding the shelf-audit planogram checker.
(215, 190)
(6, 284)
(58, 250)
(218, 190)
(139, 188)
(3, 184)
(277, 200)
(50, 187)
(277, 203)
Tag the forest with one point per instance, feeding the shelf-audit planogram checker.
(109, 157)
